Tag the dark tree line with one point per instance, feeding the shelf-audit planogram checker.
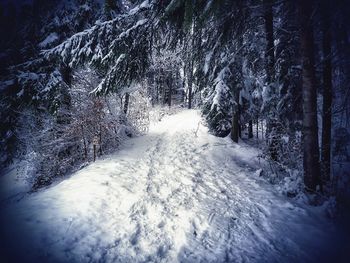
(266, 70)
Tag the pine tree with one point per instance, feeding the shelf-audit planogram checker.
(110, 9)
(310, 128)
(327, 91)
(272, 129)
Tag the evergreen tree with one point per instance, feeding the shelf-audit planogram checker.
(327, 91)
(111, 9)
(310, 128)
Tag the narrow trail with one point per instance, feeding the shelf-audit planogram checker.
(175, 195)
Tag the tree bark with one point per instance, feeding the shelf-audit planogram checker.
(250, 129)
(270, 76)
(84, 141)
(190, 82)
(126, 103)
(191, 62)
(327, 92)
(100, 133)
(169, 84)
(310, 130)
(235, 130)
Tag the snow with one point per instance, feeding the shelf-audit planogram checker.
(48, 40)
(221, 90)
(127, 32)
(177, 194)
(5, 84)
(144, 5)
(28, 76)
(207, 61)
(14, 184)
(20, 93)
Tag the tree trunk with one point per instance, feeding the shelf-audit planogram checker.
(183, 94)
(169, 84)
(250, 129)
(327, 92)
(94, 152)
(310, 131)
(100, 139)
(84, 141)
(190, 70)
(270, 56)
(169, 99)
(235, 130)
(240, 128)
(270, 76)
(126, 103)
(157, 93)
(190, 81)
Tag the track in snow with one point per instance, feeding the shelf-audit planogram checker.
(173, 195)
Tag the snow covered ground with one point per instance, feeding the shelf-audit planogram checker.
(177, 194)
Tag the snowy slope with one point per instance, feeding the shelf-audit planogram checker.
(175, 195)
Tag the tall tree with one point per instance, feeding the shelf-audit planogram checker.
(237, 87)
(270, 77)
(190, 26)
(270, 56)
(235, 130)
(310, 130)
(110, 8)
(327, 90)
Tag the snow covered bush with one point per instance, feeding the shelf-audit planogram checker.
(53, 148)
(292, 184)
(60, 141)
(138, 113)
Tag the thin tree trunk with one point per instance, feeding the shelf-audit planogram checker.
(169, 101)
(169, 83)
(126, 103)
(157, 92)
(100, 139)
(190, 73)
(183, 98)
(190, 81)
(94, 152)
(84, 141)
(121, 102)
(310, 130)
(257, 128)
(250, 129)
(235, 130)
(327, 92)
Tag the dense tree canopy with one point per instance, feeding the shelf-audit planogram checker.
(245, 64)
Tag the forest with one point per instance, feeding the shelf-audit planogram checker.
(174, 131)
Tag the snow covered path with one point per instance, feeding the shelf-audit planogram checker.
(175, 195)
